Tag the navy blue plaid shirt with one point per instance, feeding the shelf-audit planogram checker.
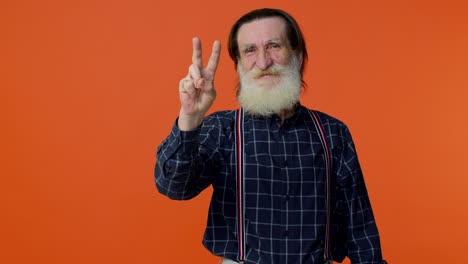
(285, 189)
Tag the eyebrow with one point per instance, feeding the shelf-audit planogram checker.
(275, 40)
(247, 46)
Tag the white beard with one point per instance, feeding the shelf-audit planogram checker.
(280, 95)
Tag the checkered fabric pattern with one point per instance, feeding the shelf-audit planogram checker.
(285, 192)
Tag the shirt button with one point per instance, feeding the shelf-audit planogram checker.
(286, 197)
(285, 164)
(286, 233)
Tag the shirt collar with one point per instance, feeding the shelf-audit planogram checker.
(298, 115)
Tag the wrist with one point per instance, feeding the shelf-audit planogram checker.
(189, 122)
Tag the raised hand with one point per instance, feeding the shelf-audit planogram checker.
(196, 90)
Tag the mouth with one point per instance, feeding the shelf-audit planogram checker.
(267, 75)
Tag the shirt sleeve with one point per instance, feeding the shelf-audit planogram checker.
(362, 237)
(184, 167)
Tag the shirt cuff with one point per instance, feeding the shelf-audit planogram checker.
(186, 140)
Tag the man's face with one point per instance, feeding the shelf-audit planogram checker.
(263, 45)
(269, 75)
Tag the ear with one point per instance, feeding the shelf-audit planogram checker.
(300, 59)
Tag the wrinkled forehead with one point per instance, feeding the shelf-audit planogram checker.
(262, 30)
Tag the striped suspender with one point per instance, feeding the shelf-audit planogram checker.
(328, 165)
(240, 170)
(239, 136)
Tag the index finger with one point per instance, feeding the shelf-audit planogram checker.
(214, 58)
(197, 53)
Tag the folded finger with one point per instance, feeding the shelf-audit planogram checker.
(189, 88)
(194, 73)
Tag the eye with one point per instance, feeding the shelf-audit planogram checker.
(249, 50)
(274, 46)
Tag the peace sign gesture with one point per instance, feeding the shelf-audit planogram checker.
(196, 90)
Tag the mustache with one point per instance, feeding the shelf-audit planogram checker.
(273, 70)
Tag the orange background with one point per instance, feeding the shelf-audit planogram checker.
(89, 89)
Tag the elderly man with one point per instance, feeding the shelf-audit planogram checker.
(287, 185)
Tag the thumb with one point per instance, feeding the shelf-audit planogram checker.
(201, 83)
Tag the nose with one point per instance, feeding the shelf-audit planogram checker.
(264, 60)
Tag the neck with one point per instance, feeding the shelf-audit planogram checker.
(285, 114)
